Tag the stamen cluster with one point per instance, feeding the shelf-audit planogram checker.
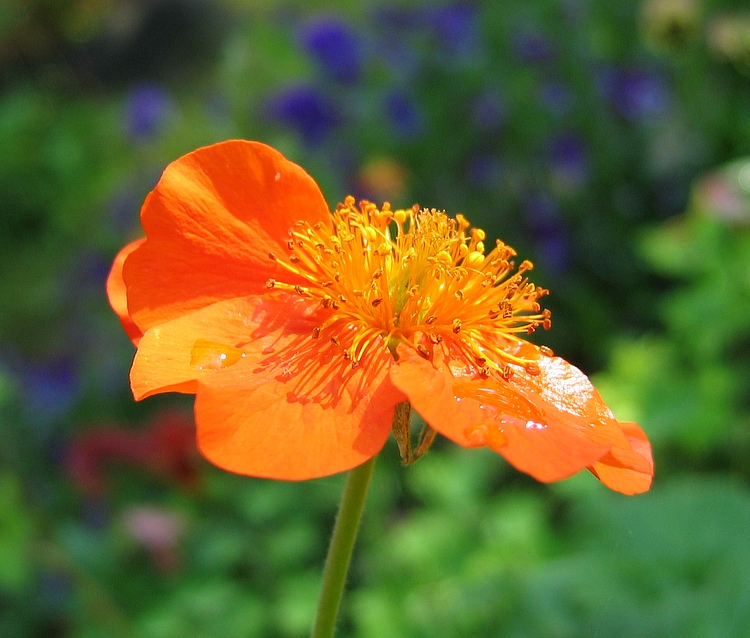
(415, 276)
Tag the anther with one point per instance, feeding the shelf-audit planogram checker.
(316, 332)
(434, 337)
(272, 256)
(431, 319)
(335, 342)
(376, 302)
(423, 351)
(533, 369)
(456, 325)
(270, 283)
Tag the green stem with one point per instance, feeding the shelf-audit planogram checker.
(340, 549)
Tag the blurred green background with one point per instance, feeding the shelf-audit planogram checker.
(608, 141)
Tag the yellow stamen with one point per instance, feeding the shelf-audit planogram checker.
(401, 276)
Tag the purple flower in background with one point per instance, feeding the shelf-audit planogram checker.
(532, 46)
(484, 170)
(335, 47)
(305, 110)
(635, 94)
(456, 27)
(50, 387)
(568, 161)
(489, 111)
(557, 97)
(148, 106)
(403, 114)
(548, 231)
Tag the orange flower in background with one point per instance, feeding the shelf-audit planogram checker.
(303, 331)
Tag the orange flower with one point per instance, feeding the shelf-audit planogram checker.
(302, 331)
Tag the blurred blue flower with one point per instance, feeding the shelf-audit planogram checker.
(335, 47)
(49, 387)
(456, 28)
(148, 107)
(489, 111)
(532, 46)
(635, 93)
(557, 97)
(547, 231)
(484, 170)
(403, 114)
(306, 110)
(568, 161)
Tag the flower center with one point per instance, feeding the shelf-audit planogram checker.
(414, 276)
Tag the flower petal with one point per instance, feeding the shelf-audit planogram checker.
(550, 426)
(279, 404)
(263, 427)
(174, 356)
(621, 474)
(116, 292)
(210, 223)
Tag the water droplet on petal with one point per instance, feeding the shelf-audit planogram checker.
(533, 425)
(476, 435)
(209, 355)
(496, 437)
(485, 434)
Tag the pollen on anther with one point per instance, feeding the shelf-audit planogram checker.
(532, 368)
(423, 351)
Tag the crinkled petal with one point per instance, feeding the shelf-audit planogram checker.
(210, 224)
(550, 425)
(618, 474)
(280, 404)
(117, 295)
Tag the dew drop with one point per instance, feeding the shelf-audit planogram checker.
(533, 425)
(209, 355)
(476, 435)
(485, 434)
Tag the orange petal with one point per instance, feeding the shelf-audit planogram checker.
(211, 222)
(116, 292)
(172, 357)
(263, 427)
(550, 426)
(622, 475)
(280, 404)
